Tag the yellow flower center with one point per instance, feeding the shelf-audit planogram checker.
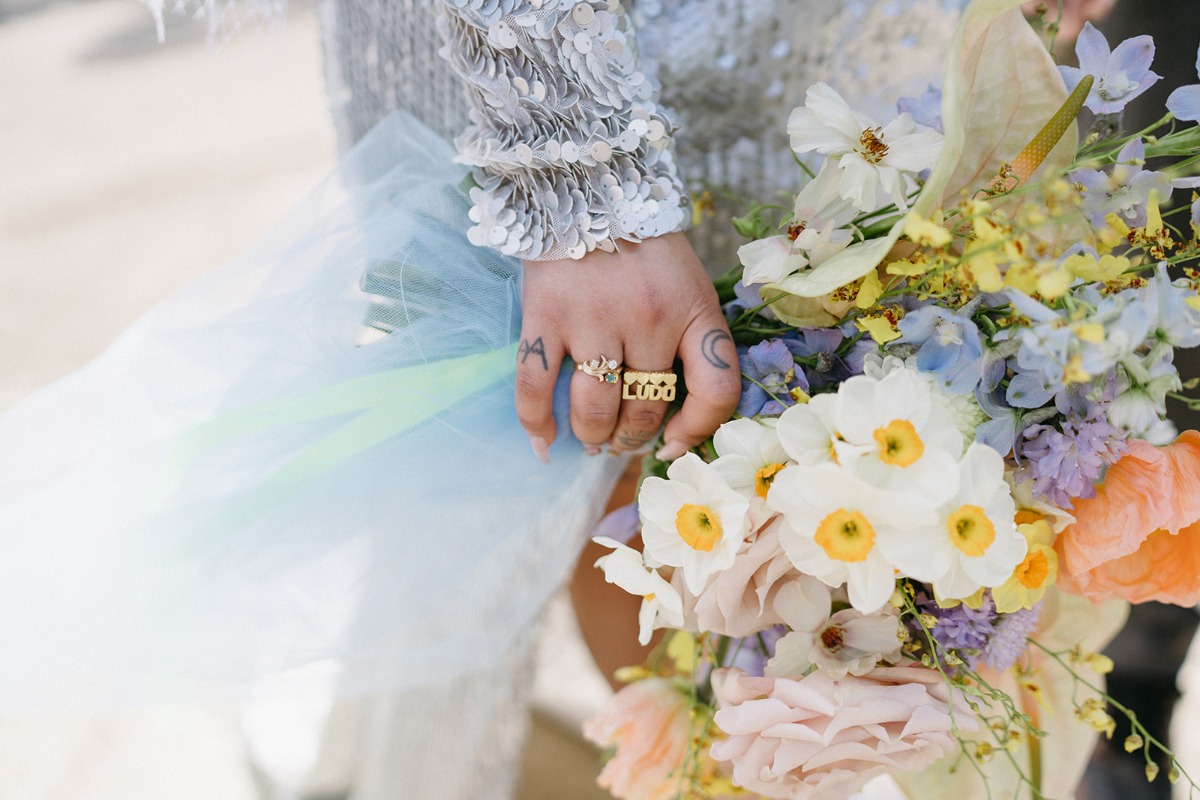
(1026, 516)
(971, 531)
(899, 444)
(871, 146)
(764, 478)
(845, 536)
(698, 526)
(1033, 571)
(649, 598)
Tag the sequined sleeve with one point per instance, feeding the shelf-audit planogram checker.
(570, 149)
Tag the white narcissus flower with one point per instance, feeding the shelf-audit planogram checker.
(816, 232)
(807, 433)
(846, 642)
(693, 520)
(894, 436)
(749, 456)
(974, 542)
(835, 524)
(870, 156)
(624, 568)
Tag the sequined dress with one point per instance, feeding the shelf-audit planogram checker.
(591, 121)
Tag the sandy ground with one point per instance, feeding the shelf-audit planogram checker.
(127, 169)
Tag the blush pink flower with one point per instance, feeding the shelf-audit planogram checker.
(821, 736)
(738, 601)
(648, 723)
(1139, 538)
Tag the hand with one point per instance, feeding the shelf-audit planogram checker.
(643, 306)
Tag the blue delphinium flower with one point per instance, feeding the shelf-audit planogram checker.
(822, 344)
(1121, 74)
(1124, 190)
(948, 345)
(1064, 462)
(925, 110)
(745, 298)
(768, 376)
(1140, 402)
(1172, 321)
(1115, 328)
(1008, 641)
(1184, 102)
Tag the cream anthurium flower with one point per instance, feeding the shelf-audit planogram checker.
(807, 433)
(974, 543)
(894, 436)
(693, 520)
(834, 523)
(749, 456)
(624, 567)
(846, 642)
(816, 232)
(870, 157)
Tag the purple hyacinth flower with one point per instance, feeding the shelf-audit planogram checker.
(1121, 74)
(1008, 642)
(769, 374)
(1184, 102)
(960, 628)
(1066, 462)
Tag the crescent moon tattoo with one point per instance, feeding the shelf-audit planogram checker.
(708, 346)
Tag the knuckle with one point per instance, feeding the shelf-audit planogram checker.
(644, 419)
(591, 414)
(529, 385)
(727, 387)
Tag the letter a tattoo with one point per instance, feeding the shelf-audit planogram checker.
(536, 348)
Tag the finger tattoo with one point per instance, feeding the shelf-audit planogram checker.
(534, 348)
(708, 346)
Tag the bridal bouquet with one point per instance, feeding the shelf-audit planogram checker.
(950, 470)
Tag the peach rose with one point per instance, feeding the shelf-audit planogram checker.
(1139, 538)
(819, 735)
(739, 601)
(648, 723)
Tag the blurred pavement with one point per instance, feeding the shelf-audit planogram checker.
(127, 169)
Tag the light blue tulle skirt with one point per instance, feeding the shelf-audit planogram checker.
(305, 471)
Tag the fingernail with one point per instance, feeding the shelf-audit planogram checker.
(671, 450)
(541, 447)
(591, 450)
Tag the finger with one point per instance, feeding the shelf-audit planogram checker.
(714, 385)
(539, 357)
(644, 400)
(594, 402)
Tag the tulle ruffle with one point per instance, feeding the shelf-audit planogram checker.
(303, 472)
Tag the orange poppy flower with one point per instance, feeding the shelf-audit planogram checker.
(1139, 538)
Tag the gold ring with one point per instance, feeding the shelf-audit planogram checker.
(641, 385)
(605, 370)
